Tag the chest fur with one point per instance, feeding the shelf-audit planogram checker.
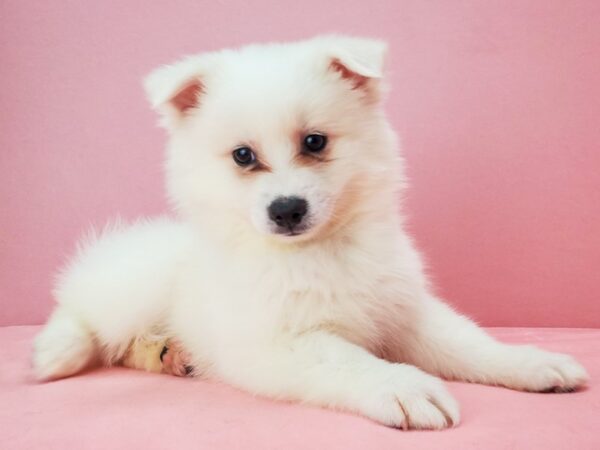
(254, 294)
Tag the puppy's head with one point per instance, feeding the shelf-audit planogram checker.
(288, 138)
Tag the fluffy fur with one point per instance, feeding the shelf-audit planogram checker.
(339, 316)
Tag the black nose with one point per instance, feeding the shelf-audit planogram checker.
(287, 211)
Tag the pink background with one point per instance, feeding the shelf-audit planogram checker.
(497, 102)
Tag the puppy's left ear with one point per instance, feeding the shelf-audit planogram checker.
(176, 90)
(359, 62)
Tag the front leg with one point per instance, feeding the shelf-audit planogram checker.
(452, 346)
(325, 370)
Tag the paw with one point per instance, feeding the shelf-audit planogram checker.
(540, 371)
(175, 360)
(411, 399)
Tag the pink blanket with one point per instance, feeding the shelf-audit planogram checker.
(125, 409)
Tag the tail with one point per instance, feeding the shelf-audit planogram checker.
(63, 348)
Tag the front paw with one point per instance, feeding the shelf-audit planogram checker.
(408, 398)
(540, 371)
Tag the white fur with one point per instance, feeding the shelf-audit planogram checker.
(333, 317)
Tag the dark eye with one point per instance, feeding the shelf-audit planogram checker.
(314, 143)
(244, 156)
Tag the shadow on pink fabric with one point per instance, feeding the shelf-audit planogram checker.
(125, 409)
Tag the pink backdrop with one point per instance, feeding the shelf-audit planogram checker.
(497, 102)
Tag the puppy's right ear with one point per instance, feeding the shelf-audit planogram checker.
(176, 90)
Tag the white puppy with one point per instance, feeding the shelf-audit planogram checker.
(289, 273)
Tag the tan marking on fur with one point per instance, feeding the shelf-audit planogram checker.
(258, 167)
(144, 354)
(308, 160)
(344, 212)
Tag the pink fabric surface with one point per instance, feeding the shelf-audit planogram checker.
(497, 104)
(126, 409)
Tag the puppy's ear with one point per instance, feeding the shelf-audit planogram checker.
(176, 90)
(358, 61)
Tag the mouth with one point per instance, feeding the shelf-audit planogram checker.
(290, 231)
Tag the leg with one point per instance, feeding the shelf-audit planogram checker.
(145, 353)
(325, 370)
(117, 289)
(159, 355)
(454, 347)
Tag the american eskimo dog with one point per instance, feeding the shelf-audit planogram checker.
(288, 272)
